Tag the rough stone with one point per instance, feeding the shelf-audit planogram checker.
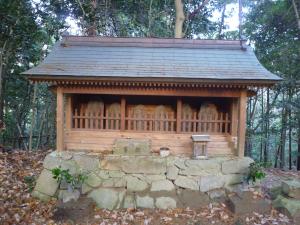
(55, 158)
(41, 196)
(165, 203)
(247, 205)
(186, 182)
(86, 162)
(144, 165)
(116, 174)
(104, 174)
(144, 202)
(85, 188)
(232, 179)
(291, 188)
(108, 198)
(172, 172)
(180, 163)
(124, 146)
(236, 165)
(155, 177)
(162, 185)
(46, 184)
(93, 180)
(67, 196)
(135, 184)
(208, 183)
(112, 162)
(193, 199)
(114, 182)
(129, 201)
(217, 194)
(201, 167)
(288, 206)
(135, 164)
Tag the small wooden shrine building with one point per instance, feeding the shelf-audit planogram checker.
(163, 90)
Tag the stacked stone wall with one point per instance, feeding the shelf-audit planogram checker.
(115, 181)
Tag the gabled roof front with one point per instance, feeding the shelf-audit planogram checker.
(151, 58)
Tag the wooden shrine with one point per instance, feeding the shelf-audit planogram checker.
(163, 90)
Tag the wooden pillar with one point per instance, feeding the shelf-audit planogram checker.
(123, 112)
(242, 123)
(178, 115)
(234, 117)
(59, 119)
(69, 104)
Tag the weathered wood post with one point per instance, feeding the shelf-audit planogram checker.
(242, 123)
(59, 119)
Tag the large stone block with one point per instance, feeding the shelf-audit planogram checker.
(86, 163)
(144, 165)
(129, 201)
(172, 172)
(112, 162)
(124, 146)
(248, 205)
(193, 199)
(232, 179)
(144, 202)
(93, 180)
(114, 182)
(165, 203)
(135, 184)
(211, 182)
(288, 206)
(291, 188)
(236, 165)
(108, 198)
(201, 167)
(186, 182)
(162, 185)
(46, 184)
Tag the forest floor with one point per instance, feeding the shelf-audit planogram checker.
(18, 207)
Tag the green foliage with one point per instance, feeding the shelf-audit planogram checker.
(62, 175)
(30, 181)
(256, 171)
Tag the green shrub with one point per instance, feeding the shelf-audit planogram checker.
(62, 175)
(256, 171)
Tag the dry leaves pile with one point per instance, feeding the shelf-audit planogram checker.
(18, 207)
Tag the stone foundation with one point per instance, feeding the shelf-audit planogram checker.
(116, 181)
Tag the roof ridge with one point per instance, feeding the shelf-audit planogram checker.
(150, 42)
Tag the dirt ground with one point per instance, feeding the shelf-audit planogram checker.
(18, 170)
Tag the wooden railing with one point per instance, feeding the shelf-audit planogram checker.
(162, 122)
(205, 123)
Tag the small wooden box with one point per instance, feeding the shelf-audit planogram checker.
(200, 146)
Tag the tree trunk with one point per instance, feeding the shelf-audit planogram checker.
(222, 22)
(283, 138)
(298, 157)
(179, 18)
(32, 117)
(296, 13)
(267, 127)
(1, 79)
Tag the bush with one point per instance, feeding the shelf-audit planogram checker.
(256, 171)
(62, 175)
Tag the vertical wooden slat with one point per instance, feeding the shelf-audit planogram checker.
(194, 122)
(76, 119)
(172, 122)
(178, 115)
(226, 123)
(150, 122)
(106, 119)
(242, 123)
(59, 119)
(80, 119)
(161, 122)
(234, 118)
(69, 112)
(123, 112)
(166, 121)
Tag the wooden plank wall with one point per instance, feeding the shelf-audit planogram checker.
(179, 144)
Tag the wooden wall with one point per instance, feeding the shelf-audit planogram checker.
(179, 144)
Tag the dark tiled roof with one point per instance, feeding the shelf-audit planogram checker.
(88, 57)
